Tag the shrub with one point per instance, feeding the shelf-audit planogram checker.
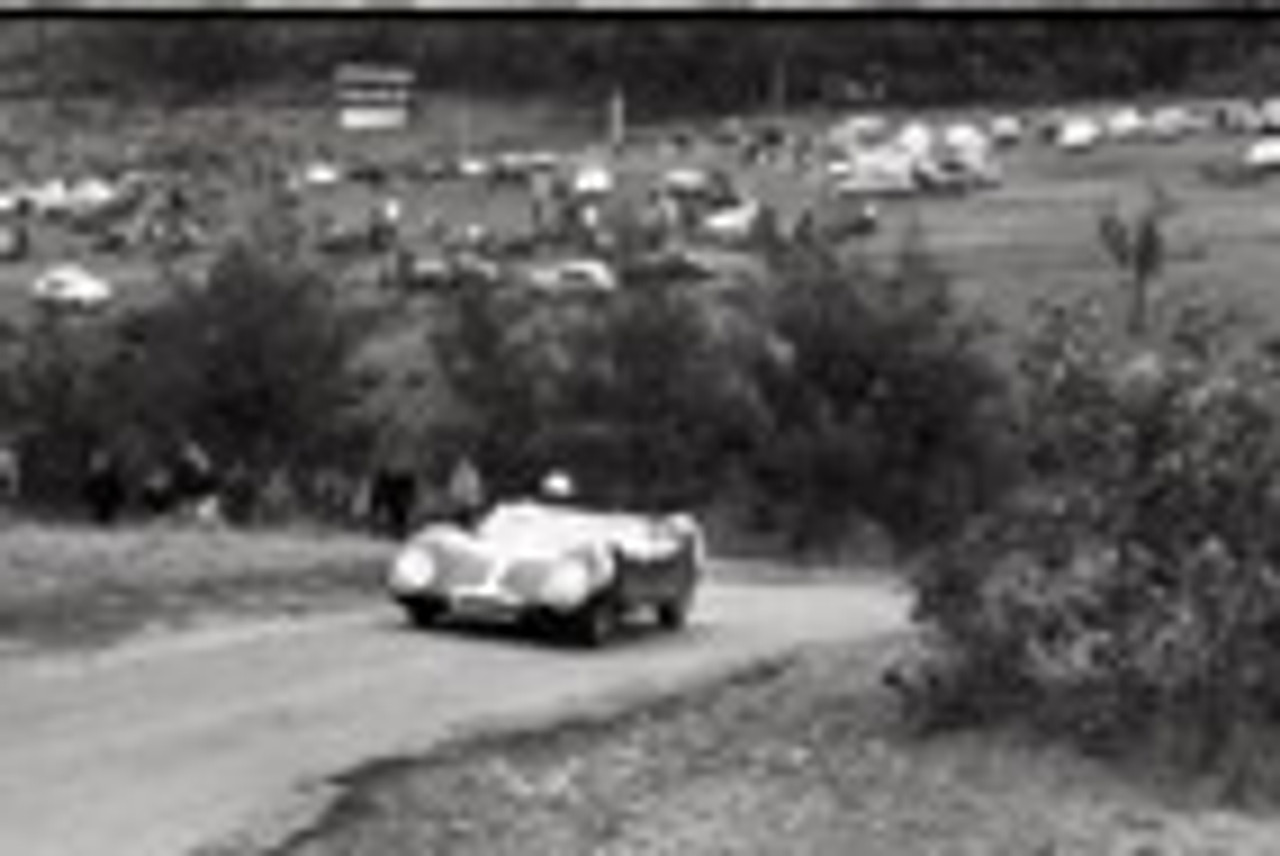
(1133, 578)
(56, 403)
(646, 392)
(256, 363)
(888, 410)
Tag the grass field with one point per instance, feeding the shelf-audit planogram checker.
(1034, 235)
(69, 586)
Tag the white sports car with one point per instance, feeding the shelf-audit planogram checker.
(581, 570)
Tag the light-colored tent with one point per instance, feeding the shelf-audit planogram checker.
(859, 131)
(1078, 133)
(573, 275)
(968, 148)
(1125, 123)
(1269, 110)
(318, 173)
(1263, 155)
(886, 170)
(916, 139)
(965, 136)
(735, 222)
(1006, 129)
(73, 286)
(1172, 122)
(592, 180)
(686, 179)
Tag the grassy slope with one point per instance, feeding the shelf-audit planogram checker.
(71, 586)
(805, 759)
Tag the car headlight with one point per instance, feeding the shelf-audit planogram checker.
(412, 571)
(569, 583)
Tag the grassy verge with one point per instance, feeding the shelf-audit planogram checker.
(803, 758)
(67, 586)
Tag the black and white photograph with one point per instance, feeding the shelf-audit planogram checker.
(663, 430)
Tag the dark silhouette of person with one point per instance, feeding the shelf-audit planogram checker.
(466, 494)
(157, 490)
(10, 476)
(239, 494)
(392, 499)
(194, 477)
(104, 489)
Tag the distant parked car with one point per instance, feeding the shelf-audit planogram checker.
(558, 566)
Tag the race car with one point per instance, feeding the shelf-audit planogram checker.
(569, 568)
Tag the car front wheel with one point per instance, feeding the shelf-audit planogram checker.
(422, 612)
(595, 625)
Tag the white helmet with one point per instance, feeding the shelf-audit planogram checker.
(557, 485)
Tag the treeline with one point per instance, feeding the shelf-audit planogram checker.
(689, 63)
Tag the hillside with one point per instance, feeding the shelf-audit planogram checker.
(667, 64)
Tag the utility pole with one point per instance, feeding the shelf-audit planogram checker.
(463, 129)
(617, 119)
(780, 81)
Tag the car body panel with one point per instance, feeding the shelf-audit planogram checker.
(529, 557)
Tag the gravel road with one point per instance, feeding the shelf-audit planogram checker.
(168, 745)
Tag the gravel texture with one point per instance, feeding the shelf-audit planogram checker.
(807, 757)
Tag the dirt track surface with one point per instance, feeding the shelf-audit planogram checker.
(166, 746)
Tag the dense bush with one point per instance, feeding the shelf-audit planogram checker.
(647, 392)
(253, 364)
(1134, 578)
(56, 399)
(888, 410)
(823, 396)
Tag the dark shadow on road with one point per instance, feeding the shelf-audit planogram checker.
(634, 633)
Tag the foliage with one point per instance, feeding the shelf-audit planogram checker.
(889, 410)
(668, 65)
(649, 389)
(255, 363)
(57, 406)
(828, 394)
(1133, 578)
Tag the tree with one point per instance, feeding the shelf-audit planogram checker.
(650, 388)
(54, 393)
(888, 411)
(1129, 582)
(255, 363)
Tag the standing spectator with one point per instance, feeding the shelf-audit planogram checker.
(195, 480)
(10, 476)
(392, 499)
(239, 495)
(157, 490)
(279, 499)
(104, 488)
(466, 494)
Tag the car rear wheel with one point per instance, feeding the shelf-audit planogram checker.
(674, 614)
(423, 613)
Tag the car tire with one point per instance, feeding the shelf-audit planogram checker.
(674, 614)
(596, 624)
(424, 613)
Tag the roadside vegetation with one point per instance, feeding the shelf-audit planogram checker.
(72, 587)
(1064, 417)
(808, 757)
